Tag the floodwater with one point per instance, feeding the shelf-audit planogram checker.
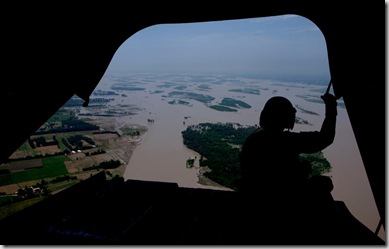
(161, 155)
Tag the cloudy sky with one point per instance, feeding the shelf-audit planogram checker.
(287, 45)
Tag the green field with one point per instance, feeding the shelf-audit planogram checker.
(16, 207)
(52, 167)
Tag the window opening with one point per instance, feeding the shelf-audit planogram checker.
(168, 79)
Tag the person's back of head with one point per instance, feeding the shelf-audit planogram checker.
(277, 114)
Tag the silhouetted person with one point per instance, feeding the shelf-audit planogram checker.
(276, 185)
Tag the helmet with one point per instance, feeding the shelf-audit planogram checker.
(278, 112)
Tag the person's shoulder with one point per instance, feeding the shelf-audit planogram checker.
(257, 132)
(254, 135)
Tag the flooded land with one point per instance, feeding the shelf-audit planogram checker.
(141, 117)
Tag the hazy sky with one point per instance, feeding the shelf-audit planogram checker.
(280, 45)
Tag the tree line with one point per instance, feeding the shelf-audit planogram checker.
(70, 125)
(219, 146)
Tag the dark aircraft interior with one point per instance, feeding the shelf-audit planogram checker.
(51, 53)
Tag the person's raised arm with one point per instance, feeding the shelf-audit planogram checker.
(329, 123)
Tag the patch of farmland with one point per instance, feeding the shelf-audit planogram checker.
(24, 164)
(51, 149)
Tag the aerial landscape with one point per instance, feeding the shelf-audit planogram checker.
(133, 116)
